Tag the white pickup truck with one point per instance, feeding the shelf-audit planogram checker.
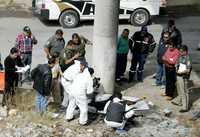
(71, 12)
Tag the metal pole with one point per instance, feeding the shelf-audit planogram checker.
(105, 41)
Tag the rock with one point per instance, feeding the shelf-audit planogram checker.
(167, 112)
(90, 130)
(13, 112)
(3, 112)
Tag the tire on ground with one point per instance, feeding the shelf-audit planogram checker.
(139, 17)
(69, 19)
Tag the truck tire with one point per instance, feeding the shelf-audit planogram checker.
(139, 17)
(69, 19)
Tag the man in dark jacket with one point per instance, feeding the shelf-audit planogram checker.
(140, 44)
(10, 63)
(160, 71)
(42, 77)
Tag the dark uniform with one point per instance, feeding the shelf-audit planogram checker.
(143, 44)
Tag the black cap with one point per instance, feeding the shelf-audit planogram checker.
(27, 29)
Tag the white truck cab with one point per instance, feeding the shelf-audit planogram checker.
(71, 12)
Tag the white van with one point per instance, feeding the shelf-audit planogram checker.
(71, 12)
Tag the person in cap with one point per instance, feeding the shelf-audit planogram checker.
(141, 44)
(24, 43)
(54, 44)
(81, 86)
(42, 80)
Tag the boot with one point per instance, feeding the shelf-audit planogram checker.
(140, 76)
(131, 76)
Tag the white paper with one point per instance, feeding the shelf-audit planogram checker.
(23, 69)
(141, 105)
(182, 68)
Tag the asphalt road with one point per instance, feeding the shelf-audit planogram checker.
(10, 26)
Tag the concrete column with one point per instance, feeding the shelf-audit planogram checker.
(105, 41)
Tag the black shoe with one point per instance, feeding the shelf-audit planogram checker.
(86, 124)
(174, 103)
(69, 120)
(183, 110)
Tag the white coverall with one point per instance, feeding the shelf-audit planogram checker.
(128, 114)
(67, 79)
(81, 86)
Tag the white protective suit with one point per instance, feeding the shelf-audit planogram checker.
(81, 86)
(127, 115)
(67, 79)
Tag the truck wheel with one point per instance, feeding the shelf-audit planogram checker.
(69, 19)
(139, 17)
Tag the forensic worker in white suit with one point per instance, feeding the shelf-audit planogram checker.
(67, 80)
(81, 86)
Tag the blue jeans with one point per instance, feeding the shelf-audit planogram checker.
(160, 74)
(41, 103)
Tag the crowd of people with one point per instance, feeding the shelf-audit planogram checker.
(173, 61)
(68, 78)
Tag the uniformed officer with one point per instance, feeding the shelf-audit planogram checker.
(54, 44)
(140, 44)
(68, 55)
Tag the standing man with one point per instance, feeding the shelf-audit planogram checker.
(81, 86)
(42, 77)
(140, 44)
(24, 43)
(160, 70)
(122, 52)
(183, 70)
(54, 44)
(175, 34)
(11, 77)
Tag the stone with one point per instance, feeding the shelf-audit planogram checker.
(13, 112)
(3, 112)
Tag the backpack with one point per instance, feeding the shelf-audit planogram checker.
(171, 56)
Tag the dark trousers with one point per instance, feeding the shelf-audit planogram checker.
(121, 64)
(139, 60)
(170, 81)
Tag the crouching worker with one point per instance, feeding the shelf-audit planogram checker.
(81, 86)
(42, 77)
(117, 112)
